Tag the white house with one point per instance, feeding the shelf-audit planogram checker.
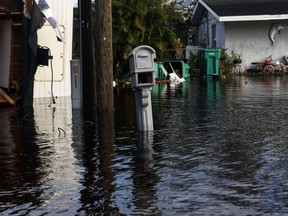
(255, 29)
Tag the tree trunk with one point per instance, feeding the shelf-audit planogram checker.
(104, 54)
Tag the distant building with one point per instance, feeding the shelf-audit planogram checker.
(248, 28)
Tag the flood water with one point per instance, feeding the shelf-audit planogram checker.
(218, 148)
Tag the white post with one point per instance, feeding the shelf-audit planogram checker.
(144, 113)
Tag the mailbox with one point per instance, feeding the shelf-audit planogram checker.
(141, 61)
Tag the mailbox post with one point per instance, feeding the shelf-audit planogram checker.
(141, 61)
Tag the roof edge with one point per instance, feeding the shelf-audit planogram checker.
(209, 9)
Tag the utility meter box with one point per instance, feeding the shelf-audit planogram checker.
(141, 61)
(76, 84)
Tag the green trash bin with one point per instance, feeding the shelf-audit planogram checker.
(179, 66)
(159, 74)
(176, 65)
(156, 69)
(209, 60)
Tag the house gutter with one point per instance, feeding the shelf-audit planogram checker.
(251, 18)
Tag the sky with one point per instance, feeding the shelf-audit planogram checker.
(75, 3)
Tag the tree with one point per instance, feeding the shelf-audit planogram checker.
(104, 54)
(145, 22)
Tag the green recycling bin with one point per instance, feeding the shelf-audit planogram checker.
(156, 69)
(209, 60)
(178, 66)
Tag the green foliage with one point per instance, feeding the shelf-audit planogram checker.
(225, 62)
(145, 22)
(193, 60)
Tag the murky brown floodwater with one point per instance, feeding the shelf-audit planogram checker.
(218, 148)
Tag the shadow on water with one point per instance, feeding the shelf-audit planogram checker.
(144, 176)
(20, 165)
(218, 148)
(97, 158)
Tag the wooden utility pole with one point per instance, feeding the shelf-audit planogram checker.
(104, 54)
(87, 56)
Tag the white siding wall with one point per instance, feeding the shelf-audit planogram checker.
(63, 12)
(251, 41)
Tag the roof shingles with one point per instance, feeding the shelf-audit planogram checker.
(247, 8)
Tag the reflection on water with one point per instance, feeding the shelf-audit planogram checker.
(218, 148)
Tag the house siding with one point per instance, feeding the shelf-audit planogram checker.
(205, 35)
(63, 12)
(220, 35)
(202, 33)
(251, 41)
